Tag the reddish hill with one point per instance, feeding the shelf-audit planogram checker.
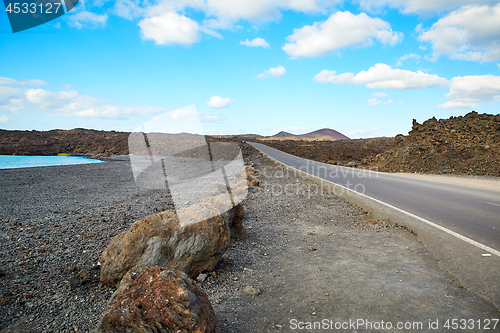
(322, 134)
(325, 134)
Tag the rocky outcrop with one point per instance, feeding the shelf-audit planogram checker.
(81, 141)
(75, 142)
(155, 299)
(458, 145)
(338, 152)
(159, 240)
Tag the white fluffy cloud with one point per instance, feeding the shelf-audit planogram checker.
(419, 6)
(47, 99)
(69, 102)
(170, 28)
(222, 14)
(469, 33)
(379, 94)
(340, 30)
(406, 57)
(278, 71)
(9, 93)
(227, 12)
(3, 119)
(208, 118)
(128, 8)
(87, 19)
(219, 102)
(218, 14)
(374, 102)
(65, 102)
(256, 42)
(382, 76)
(468, 91)
(257, 11)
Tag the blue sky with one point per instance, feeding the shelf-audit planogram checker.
(365, 68)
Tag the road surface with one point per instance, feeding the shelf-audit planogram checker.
(473, 212)
(459, 223)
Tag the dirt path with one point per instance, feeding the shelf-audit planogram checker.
(319, 259)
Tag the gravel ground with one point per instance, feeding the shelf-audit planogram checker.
(54, 224)
(311, 257)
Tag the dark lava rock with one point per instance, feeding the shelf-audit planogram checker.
(154, 299)
(458, 145)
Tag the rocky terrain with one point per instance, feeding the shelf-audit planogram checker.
(77, 141)
(339, 152)
(104, 144)
(459, 145)
(307, 257)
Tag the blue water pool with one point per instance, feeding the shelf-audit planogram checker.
(18, 161)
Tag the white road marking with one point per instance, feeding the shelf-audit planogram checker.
(448, 231)
(494, 204)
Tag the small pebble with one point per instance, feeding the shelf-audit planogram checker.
(251, 291)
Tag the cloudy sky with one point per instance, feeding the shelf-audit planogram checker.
(365, 68)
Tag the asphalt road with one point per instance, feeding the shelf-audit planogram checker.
(469, 211)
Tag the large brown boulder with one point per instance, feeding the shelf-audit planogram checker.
(155, 299)
(159, 240)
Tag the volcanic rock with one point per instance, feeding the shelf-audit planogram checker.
(458, 145)
(155, 299)
(160, 240)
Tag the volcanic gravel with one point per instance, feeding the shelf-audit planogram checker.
(309, 256)
(54, 224)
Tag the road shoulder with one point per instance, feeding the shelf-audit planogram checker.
(317, 257)
(476, 181)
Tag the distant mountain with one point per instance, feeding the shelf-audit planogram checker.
(235, 136)
(283, 133)
(324, 134)
(250, 135)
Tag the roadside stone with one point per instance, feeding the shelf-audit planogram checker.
(253, 182)
(251, 291)
(250, 170)
(154, 299)
(160, 240)
(201, 277)
(84, 274)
